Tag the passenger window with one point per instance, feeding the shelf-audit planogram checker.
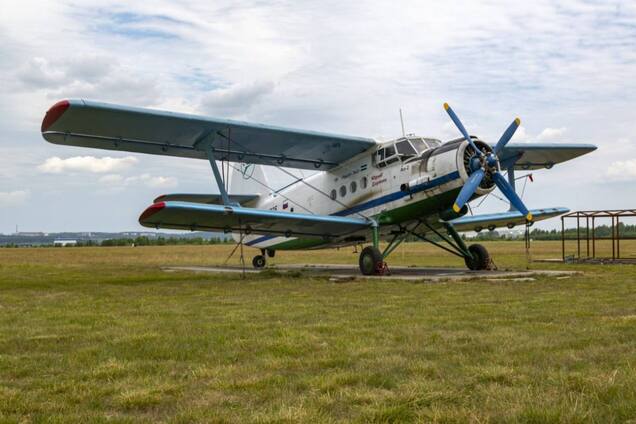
(353, 186)
(333, 194)
(343, 191)
(363, 182)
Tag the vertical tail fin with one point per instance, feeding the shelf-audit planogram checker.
(248, 178)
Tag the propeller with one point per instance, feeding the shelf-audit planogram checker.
(483, 163)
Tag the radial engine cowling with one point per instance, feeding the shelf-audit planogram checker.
(466, 154)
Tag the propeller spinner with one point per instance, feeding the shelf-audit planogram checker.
(483, 163)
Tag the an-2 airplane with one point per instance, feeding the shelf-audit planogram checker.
(368, 190)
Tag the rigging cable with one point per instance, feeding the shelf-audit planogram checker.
(301, 180)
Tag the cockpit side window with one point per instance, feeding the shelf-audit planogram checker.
(433, 142)
(419, 144)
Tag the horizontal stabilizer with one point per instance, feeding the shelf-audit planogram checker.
(200, 217)
(508, 219)
(210, 199)
(113, 127)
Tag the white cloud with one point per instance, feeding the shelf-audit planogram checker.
(87, 75)
(13, 198)
(116, 181)
(56, 165)
(158, 181)
(622, 170)
(551, 133)
(521, 134)
(237, 98)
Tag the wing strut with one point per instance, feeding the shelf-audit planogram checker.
(205, 144)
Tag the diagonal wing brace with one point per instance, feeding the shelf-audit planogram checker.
(205, 144)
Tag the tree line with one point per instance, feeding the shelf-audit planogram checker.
(601, 231)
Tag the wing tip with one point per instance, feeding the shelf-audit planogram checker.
(151, 210)
(54, 113)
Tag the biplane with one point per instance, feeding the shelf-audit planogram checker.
(365, 191)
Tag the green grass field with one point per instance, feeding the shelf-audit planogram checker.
(102, 334)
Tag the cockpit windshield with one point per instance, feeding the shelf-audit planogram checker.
(403, 149)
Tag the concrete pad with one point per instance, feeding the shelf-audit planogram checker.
(344, 273)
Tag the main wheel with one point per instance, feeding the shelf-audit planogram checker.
(258, 261)
(371, 261)
(480, 259)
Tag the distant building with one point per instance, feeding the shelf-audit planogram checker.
(63, 243)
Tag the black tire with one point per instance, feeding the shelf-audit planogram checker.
(480, 260)
(371, 261)
(259, 261)
(271, 253)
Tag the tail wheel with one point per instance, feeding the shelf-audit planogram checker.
(480, 260)
(371, 261)
(259, 261)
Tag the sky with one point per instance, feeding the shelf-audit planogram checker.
(566, 68)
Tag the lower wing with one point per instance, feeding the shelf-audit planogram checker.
(206, 217)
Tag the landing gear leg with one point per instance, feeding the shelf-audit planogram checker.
(476, 256)
(371, 260)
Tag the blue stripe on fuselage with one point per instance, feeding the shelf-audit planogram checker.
(381, 200)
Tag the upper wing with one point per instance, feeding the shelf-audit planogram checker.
(504, 219)
(193, 216)
(105, 126)
(541, 155)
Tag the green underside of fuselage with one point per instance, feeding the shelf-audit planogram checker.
(408, 212)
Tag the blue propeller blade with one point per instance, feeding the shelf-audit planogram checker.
(459, 125)
(507, 135)
(469, 189)
(510, 194)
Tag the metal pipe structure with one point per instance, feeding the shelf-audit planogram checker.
(615, 235)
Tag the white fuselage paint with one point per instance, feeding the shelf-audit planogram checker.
(313, 194)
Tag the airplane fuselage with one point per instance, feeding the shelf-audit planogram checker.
(393, 190)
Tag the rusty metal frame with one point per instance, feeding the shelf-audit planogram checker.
(615, 216)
